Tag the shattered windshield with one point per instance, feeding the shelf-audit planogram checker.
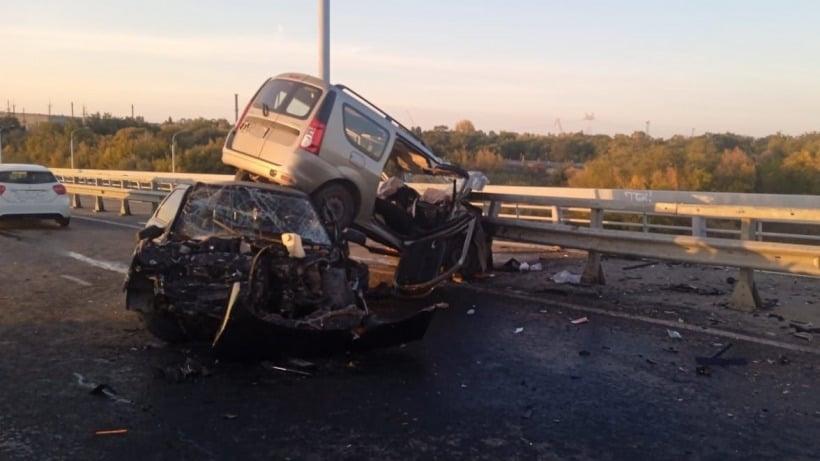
(250, 211)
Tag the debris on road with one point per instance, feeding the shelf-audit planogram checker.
(703, 370)
(579, 320)
(536, 267)
(111, 432)
(804, 327)
(674, 334)
(639, 266)
(566, 277)
(686, 288)
(518, 330)
(512, 265)
(470, 311)
(802, 335)
(230, 416)
(273, 366)
(189, 370)
(100, 389)
(584, 353)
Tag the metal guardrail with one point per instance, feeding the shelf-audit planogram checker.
(750, 231)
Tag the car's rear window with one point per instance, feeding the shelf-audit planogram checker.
(295, 99)
(27, 177)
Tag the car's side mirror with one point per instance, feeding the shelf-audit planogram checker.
(355, 236)
(151, 232)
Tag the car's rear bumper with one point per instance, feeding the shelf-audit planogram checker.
(49, 210)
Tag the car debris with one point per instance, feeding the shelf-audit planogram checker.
(804, 327)
(639, 266)
(111, 432)
(803, 335)
(579, 320)
(100, 389)
(566, 277)
(253, 264)
(686, 288)
(674, 334)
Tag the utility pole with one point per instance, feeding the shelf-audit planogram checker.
(589, 117)
(647, 128)
(324, 40)
(132, 112)
(235, 107)
(72, 109)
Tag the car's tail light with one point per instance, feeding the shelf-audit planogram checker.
(59, 189)
(312, 140)
(2, 189)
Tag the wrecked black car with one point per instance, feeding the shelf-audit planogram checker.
(244, 262)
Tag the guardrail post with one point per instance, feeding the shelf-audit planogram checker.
(745, 296)
(593, 272)
(493, 210)
(75, 201)
(698, 226)
(99, 206)
(555, 214)
(125, 208)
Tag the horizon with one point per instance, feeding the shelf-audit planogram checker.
(519, 66)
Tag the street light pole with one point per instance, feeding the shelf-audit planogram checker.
(1, 140)
(71, 143)
(174, 151)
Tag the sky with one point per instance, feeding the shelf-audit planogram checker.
(686, 67)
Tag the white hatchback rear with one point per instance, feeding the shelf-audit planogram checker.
(32, 191)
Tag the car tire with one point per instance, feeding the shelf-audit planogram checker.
(63, 222)
(242, 175)
(163, 325)
(339, 200)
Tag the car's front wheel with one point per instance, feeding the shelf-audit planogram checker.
(339, 201)
(63, 222)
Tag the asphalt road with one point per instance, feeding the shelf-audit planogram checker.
(501, 374)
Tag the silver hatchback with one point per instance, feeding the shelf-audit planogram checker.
(360, 166)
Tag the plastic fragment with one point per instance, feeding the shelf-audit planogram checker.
(674, 334)
(518, 330)
(579, 320)
(566, 277)
(470, 311)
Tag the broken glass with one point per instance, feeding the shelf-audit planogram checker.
(252, 212)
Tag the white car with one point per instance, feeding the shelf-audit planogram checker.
(32, 191)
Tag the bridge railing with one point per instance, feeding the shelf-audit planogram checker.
(770, 232)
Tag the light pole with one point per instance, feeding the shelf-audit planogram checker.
(71, 143)
(1, 140)
(174, 151)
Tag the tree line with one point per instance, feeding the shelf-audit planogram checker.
(726, 162)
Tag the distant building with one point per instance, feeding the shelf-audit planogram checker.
(28, 120)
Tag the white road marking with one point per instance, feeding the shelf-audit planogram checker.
(650, 320)
(76, 280)
(105, 221)
(107, 265)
